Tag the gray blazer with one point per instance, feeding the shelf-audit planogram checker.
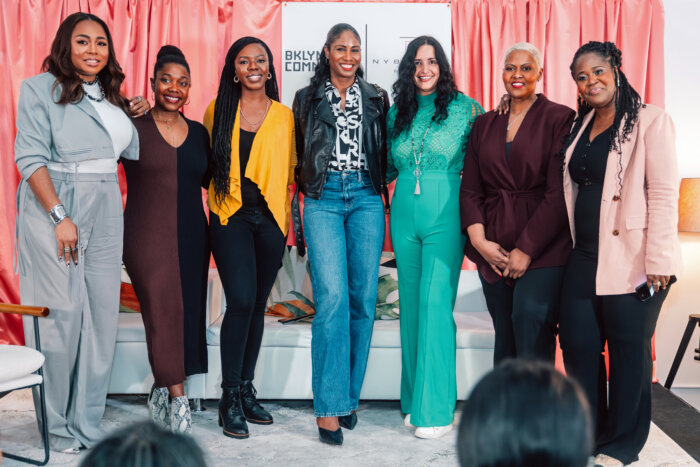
(49, 132)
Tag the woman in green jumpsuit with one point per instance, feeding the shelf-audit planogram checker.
(428, 125)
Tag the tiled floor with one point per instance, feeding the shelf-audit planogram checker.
(379, 438)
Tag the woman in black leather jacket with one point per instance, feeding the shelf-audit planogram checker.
(341, 151)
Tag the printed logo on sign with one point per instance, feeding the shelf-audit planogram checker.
(300, 60)
(305, 25)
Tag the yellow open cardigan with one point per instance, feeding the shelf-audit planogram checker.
(271, 164)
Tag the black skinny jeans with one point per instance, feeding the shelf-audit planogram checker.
(248, 253)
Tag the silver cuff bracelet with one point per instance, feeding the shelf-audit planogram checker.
(57, 214)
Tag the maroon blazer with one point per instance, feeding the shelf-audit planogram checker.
(520, 200)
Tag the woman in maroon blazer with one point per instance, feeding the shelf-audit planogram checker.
(512, 209)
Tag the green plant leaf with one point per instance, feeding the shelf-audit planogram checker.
(386, 311)
(293, 309)
(303, 299)
(385, 285)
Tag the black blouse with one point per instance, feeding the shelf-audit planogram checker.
(250, 192)
(587, 169)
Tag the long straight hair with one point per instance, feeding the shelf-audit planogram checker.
(322, 71)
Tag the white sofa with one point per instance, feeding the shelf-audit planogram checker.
(284, 365)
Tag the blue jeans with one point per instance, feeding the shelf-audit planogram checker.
(344, 235)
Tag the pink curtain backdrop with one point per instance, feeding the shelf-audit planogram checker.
(204, 29)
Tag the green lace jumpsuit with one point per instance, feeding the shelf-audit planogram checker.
(428, 243)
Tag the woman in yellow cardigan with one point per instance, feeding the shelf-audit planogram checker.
(253, 157)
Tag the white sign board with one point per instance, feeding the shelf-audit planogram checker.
(385, 30)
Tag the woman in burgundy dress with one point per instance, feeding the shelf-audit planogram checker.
(166, 244)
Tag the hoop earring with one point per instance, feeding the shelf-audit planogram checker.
(269, 76)
(235, 79)
(188, 101)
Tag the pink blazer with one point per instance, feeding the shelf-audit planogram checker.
(638, 233)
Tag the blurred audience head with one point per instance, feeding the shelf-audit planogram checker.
(525, 413)
(144, 444)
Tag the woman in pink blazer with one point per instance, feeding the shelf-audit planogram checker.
(621, 193)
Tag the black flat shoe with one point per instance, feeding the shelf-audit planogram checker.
(231, 417)
(334, 438)
(348, 421)
(252, 410)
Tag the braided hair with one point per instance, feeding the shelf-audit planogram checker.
(322, 71)
(404, 89)
(225, 112)
(627, 103)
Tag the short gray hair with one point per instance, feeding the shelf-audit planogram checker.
(527, 47)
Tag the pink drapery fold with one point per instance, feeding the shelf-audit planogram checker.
(204, 29)
(482, 30)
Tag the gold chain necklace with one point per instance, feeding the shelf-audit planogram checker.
(256, 124)
(168, 125)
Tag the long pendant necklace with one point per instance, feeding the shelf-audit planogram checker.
(256, 124)
(417, 159)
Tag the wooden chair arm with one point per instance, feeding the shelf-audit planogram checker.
(38, 311)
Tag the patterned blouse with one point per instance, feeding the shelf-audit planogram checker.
(347, 153)
(445, 142)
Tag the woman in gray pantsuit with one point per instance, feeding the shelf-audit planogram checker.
(71, 130)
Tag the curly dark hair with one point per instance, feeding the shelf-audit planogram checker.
(60, 64)
(322, 71)
(225, 112)
(404, 89)
(627, 102)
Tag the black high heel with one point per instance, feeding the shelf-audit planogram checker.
(348, 421)
(334, 438)
(231, 416)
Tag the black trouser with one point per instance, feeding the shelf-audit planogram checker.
(248, 253)
(622, 414)
(525, 315)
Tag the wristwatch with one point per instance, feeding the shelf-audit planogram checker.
(57, 214)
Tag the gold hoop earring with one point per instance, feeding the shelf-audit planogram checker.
(269, 76)
(235, 79)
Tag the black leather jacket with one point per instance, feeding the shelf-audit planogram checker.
(315, 138)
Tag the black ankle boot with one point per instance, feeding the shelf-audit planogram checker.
(231, 413)
(254, 412)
